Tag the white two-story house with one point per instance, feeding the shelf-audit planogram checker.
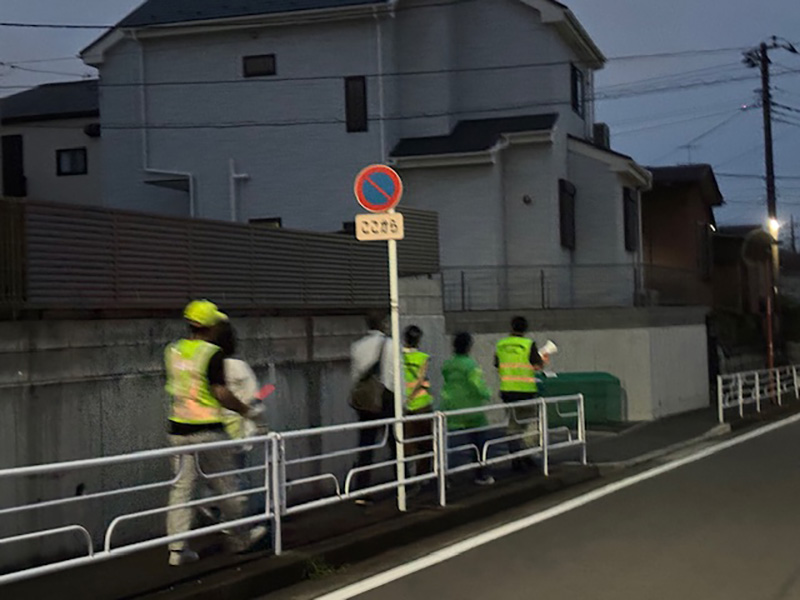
(266, 109)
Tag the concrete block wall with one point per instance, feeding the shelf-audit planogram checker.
(81, 389)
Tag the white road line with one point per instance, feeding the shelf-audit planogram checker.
(449, 552)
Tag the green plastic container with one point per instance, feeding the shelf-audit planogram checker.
(602, 393)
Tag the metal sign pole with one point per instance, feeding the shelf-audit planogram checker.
(394, 302)
(378, 189)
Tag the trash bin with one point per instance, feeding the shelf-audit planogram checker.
(602, 394)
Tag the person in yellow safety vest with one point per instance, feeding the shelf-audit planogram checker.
(517, 359)
(196, 385)
(418, 399)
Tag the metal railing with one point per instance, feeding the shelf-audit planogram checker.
(755, 388)
(571, 286)
(278, 458)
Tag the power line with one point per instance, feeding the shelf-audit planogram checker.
(704, 134)
(670, 123)
(753, 176)
(45, 71)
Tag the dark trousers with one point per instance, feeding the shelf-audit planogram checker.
(527, 412)
(369, 436)
(420, 429)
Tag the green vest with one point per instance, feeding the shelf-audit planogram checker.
(417, 385)
(187, 383)
(514, 365)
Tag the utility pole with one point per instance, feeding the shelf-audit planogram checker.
(766, 105)
(794, 236)
(759, 57)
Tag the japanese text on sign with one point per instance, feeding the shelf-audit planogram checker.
(379, 227)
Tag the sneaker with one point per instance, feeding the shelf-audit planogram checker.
(487, 480)
(178, 558)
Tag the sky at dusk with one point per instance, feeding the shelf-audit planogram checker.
(662, 110)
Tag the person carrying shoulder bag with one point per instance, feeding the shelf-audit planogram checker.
(371, 396)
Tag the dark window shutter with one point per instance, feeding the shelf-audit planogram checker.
(355, 90)
(631, 208)
(566, 211)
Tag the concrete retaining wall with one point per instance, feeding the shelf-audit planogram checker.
(82, 389)
(660, 356)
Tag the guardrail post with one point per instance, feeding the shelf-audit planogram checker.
(741, 396)
(758, 392)
(277, 543)
(267, 478)
(779, 385)
(440, 431)
(543, 437)
(282, 474)
(720, 398)
(794, 380)
(582, 427)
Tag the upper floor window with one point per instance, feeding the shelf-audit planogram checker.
(631, 211)
(71, 161)
(578, 91)
(260, 65)
(355, 93)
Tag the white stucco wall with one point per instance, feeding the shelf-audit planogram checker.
(301, 166)
(663, 370)
(41, 140)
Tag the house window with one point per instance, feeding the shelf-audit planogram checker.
(261, 65)
(71, 161)
(566, 211)
(578, 91)
(631, 209)
(355, 91)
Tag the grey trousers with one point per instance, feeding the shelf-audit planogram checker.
(211, 461)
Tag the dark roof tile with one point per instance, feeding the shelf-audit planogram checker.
(473, 136)
(165, 12)
(700, 174)
(51, 101)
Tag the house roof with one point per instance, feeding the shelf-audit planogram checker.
(165, 12)
(696, 174)
(476, 135)
(738, 231)
(71, 100)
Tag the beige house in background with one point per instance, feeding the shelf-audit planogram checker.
(50, 147)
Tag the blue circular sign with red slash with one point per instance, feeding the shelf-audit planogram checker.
(378, 188)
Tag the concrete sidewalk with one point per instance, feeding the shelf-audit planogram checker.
(323, 540)
(646, 440)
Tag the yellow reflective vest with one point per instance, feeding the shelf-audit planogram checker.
(417, 385)
(187, 383)
(517, 374)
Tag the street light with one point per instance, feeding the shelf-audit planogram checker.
(774, 228)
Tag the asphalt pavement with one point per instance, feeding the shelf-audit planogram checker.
(724, 527)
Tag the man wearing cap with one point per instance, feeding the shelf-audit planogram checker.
(196, 383)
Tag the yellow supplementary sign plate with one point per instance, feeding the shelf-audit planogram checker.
(378, 227)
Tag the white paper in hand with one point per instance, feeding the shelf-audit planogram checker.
(548, 349)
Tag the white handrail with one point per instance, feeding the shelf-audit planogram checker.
(739, 390)
(275, 484)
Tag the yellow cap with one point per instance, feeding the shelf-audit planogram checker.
(203, 313)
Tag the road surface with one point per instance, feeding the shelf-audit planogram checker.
(724, 527)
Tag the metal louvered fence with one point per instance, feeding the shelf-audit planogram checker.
(55, 256)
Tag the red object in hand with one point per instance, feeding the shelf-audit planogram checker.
(265, 391)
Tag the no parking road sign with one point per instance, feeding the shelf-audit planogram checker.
(378, 188)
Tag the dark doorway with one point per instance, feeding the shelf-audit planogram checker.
(13, 167)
